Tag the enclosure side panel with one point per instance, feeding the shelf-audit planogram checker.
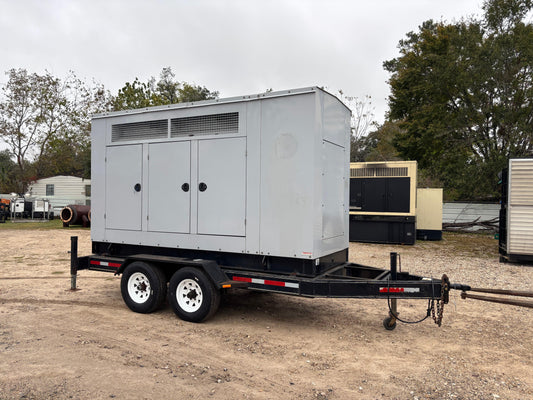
(253, 175)
(287, 179)
(98, 140)
(333, 183)
(332, 172)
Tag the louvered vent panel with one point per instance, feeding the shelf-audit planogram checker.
(521, 183)
(213, 124)
(140, 130)
(378, 172)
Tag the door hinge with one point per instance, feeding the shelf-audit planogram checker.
(105, 216)
(147, 217)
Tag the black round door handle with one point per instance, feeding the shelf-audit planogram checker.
(137, 187)
(185, 187)
(202, 187)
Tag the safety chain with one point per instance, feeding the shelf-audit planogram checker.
(444, 298)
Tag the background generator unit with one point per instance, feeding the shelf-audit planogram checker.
(516, 213)
(251, 192)
(383, 202)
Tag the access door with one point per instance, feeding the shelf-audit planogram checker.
(222, 186)
(169, 191)
(123, 187)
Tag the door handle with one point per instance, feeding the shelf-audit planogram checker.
(202, 187)
(185, 187)
(137, 187)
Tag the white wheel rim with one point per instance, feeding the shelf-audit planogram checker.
(139, 288)
(189, 295)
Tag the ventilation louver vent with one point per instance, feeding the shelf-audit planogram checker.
(378, 172)
(213, 124)
(140, 130)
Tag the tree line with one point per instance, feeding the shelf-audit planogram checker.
(461, 104)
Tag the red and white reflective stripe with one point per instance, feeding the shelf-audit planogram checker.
(266, 282)
(105, 264)
(399, 290)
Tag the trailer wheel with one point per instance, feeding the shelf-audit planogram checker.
(143, 287)
(193, 296)
(388, 324)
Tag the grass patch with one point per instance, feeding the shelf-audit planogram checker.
(32, 225)
(481, 245)
(58, 272)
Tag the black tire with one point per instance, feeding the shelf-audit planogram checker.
(143, 287)
(192, 295)
(387, 324)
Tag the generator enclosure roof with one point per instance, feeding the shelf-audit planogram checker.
(264, 174)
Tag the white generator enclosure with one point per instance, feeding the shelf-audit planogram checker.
(264, 175)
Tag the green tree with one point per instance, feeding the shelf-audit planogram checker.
(37, 112)
(135, 95)
(165, 91)
(462, 93)
(379, 144)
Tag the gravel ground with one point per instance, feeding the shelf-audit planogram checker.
(57, 344)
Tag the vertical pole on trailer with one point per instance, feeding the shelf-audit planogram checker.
(73, 261)
(394, 277)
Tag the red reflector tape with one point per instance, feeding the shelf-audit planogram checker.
(105, 264)
(398, 290)
(267, 282)
(274, 283)
(242, 279)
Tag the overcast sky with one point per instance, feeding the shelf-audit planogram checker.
(236, 47)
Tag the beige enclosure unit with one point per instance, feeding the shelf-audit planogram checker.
(429, 214)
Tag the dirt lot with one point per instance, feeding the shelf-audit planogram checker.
(88, 345)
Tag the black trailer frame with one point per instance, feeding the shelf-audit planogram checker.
(339, 280)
